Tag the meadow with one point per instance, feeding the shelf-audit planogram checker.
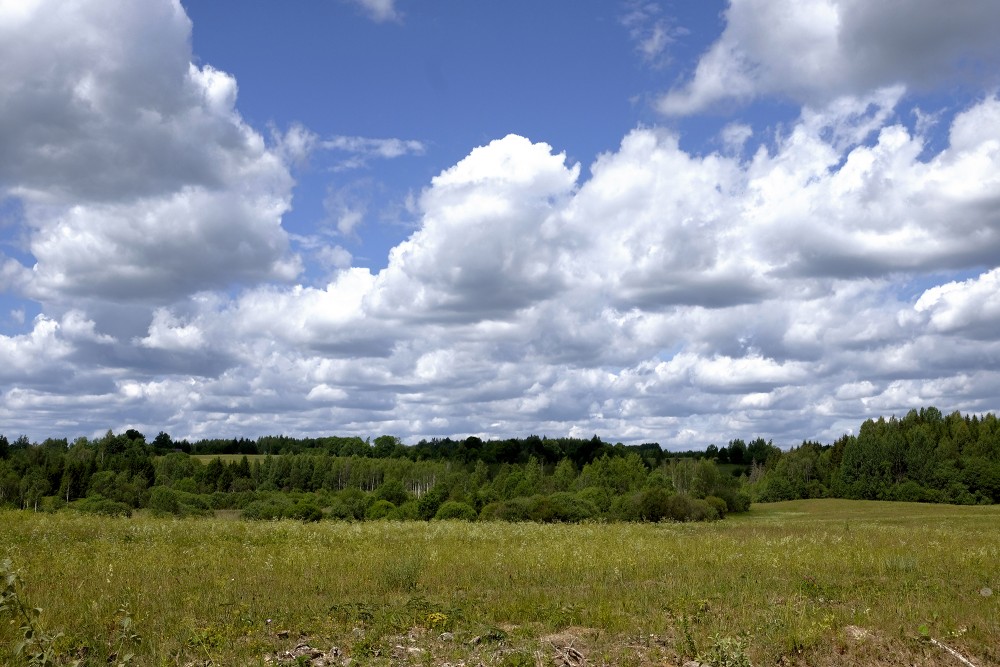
(817, 582)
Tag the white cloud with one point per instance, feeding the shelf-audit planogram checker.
(650, 30)
(379, 11)
(734, 136)
(166, 332)
(296, 144)
(137, 176)
(815, 50)
(493, 217)
(970, 307)
(362, 149)
(334, 257)
(666, 295)
(22, 356)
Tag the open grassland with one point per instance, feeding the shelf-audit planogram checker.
(828, 582)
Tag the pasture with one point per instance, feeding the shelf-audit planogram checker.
(819, 582)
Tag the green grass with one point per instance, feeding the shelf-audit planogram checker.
(792, 581)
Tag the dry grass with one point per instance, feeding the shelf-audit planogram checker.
(808, 582)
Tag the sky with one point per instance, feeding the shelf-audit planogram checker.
(653, 221)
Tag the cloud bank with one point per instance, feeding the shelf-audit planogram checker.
(813, 51)
(842, 270)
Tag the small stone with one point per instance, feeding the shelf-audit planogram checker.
(283, 634)
(447, 636)
(986, 591)
(692, 663)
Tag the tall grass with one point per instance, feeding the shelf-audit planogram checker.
(817, 582)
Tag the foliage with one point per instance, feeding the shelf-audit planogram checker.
(923, 457)
(455, 510)
(36, 647)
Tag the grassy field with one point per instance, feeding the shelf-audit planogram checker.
(808, 582)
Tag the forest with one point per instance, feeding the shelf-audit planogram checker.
(924, 457)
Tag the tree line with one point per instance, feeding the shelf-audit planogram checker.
(530, 479)
(925, 456)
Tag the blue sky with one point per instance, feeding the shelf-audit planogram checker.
(653, 221)
(450, 76)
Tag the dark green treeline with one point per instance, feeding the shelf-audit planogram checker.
(925, 456)
(530, 479)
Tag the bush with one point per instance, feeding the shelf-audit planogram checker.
(654, 504)
(380, 509)
(408, 511)
(339, 511)
(680, 507)
(736, 501)
(393, 491)
(701, 510)
(164, 499)
(456, 511)
(516, 509)
(356, 501)
(267, 510)
(305, 510)
(570, 507)
(625, 508)
(718, 504)
(597, 497)
(52, 504)
(99, 505)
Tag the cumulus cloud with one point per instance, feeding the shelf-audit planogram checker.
(136, 174)
(970, 307)
(663, 294)
(812, 51)
(493, 216)
(666, 297)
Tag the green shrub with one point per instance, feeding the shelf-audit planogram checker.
(99, 505)
(52, 504)
(718, 504)
(701, 510)
(267, 509)
(625, 507)
(305, 510)
(680, 507)
(596, 496)
(356, 501)
(570, 508)
(455, 510)
(380, 509)
(654, 504)
(408, 511)
(393, 491)
(163, 499)
(515, 509)
(339, 511)
(736, 501)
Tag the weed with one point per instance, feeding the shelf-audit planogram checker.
(727, 652)
(36, 647)
(124, 639)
